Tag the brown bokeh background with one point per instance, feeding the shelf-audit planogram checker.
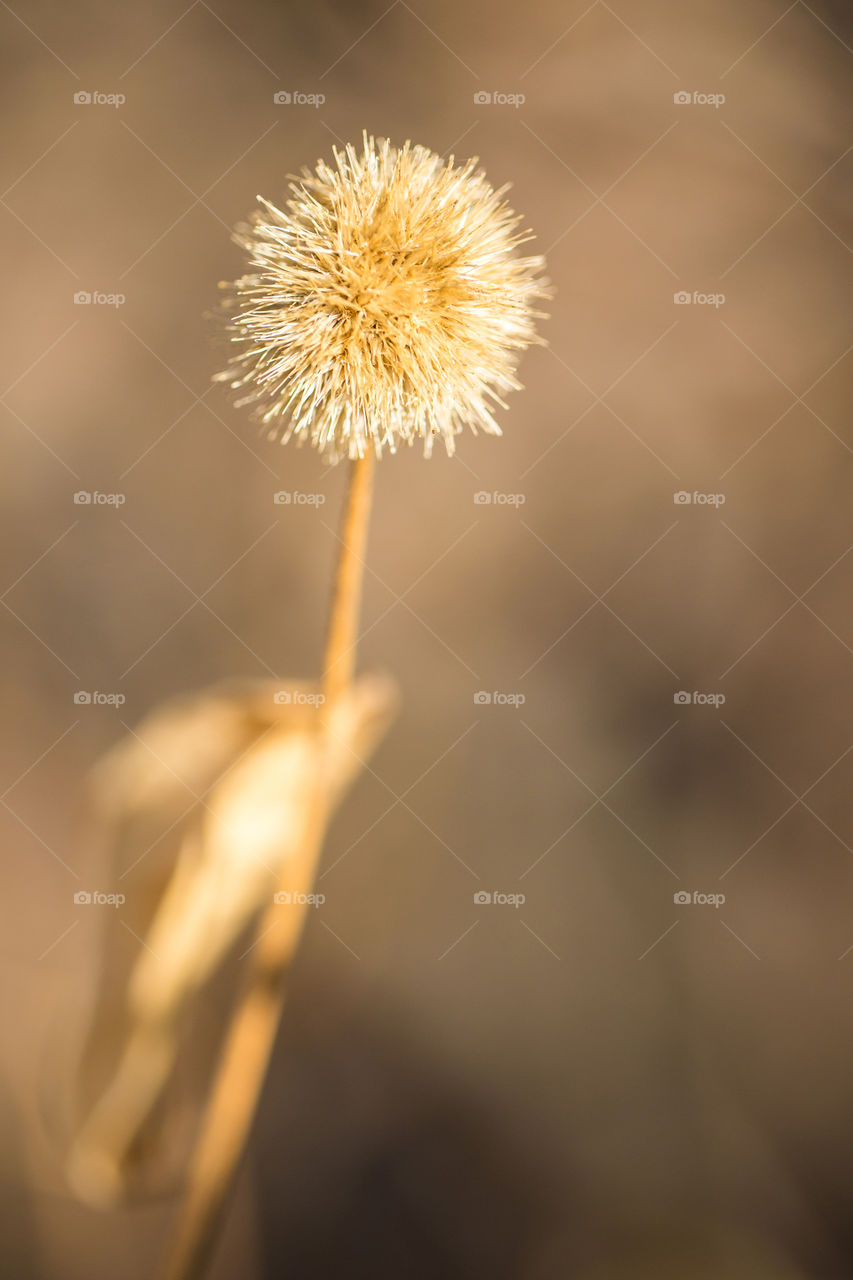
(602, 1082)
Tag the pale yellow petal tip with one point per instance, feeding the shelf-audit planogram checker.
(386, 303)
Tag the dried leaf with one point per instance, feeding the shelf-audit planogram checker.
(229, 778)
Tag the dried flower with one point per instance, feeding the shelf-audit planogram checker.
(387, 303)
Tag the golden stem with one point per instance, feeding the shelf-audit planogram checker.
(249, 1041)
(342, 628)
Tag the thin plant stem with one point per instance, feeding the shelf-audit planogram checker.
(342, 630)
(251, 1034)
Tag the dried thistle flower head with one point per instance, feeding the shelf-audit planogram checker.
(388, 302)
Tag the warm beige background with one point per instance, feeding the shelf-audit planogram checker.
(465, 1090)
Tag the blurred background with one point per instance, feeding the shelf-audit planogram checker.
(653, 605)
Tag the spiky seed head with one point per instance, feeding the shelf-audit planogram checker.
(387, 302)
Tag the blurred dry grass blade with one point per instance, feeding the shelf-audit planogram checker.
(247, 759)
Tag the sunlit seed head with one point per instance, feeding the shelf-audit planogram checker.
(387, 302)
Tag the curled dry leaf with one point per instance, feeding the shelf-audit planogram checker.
(206, 809)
